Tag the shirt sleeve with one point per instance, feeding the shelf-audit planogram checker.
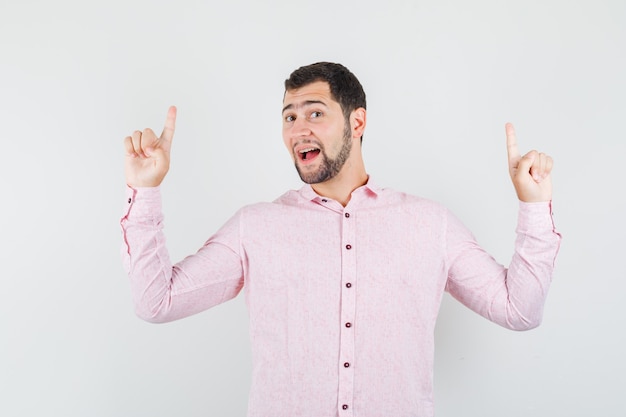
(164, 292)
(512, 297)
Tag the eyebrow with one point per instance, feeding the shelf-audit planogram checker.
(304, 104)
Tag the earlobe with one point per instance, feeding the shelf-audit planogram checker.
(358, 119)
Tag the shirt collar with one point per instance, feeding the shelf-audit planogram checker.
(368, 190)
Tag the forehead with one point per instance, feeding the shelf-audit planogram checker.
(315, 91)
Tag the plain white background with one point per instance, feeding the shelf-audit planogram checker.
(442, 77)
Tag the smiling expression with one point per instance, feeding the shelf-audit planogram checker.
(316, 132)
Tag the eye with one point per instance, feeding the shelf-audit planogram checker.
(290, 118)
(315, 114)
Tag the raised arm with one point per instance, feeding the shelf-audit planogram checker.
(512, 297)
(162, 291)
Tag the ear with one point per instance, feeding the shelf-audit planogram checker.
(357, 121)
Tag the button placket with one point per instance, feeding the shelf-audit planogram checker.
(348, 308)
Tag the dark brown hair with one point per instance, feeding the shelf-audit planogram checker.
(345, 88)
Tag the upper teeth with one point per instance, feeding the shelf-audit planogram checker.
(307, 150)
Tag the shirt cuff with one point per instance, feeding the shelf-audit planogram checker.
(142, 203)
(535, 216)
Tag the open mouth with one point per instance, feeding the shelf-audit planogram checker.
(308, 154)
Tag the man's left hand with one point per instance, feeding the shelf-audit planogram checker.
(530, 173)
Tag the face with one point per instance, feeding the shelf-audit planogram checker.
(315, 132)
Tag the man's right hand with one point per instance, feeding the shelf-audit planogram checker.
(148, 157)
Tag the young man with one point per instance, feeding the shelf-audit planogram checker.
(343, 278)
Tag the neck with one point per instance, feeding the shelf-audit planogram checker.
(340, 188)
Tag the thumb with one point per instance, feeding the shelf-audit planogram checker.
(156, 153)
(526, 163)
(160, 158)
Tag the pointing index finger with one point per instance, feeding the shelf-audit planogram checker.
(511, 144)
(170, 125)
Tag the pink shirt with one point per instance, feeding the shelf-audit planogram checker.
(342, 300)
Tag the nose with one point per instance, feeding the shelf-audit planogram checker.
(300, 128)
